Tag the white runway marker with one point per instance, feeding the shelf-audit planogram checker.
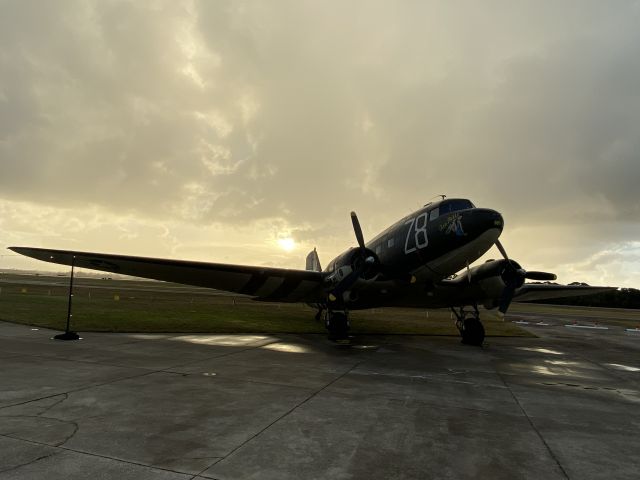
(524, 322)
(590, 327)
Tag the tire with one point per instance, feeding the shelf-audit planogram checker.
(473, 332)
(338, 325)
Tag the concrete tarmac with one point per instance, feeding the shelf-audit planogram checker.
(140, 406)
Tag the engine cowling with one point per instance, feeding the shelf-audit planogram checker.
(499, 280)
(491, 269)
(352, 260)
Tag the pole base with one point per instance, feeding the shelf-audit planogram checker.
(67, 336)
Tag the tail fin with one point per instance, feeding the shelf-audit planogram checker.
(313, 262)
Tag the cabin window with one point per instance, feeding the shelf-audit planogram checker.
(433, 214)
(454, 205)
(391, 242)
(378, 249)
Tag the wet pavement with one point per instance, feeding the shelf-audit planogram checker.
(175, 406)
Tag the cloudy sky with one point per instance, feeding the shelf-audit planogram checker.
(213, 130)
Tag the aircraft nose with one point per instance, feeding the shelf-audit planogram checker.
(484, 219)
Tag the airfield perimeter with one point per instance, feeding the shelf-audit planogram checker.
(278, 406)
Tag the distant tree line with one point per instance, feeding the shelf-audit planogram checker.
(621, 298)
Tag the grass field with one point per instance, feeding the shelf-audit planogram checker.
(141, 306)
(611, 316)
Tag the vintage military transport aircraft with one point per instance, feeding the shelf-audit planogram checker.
(410, 264)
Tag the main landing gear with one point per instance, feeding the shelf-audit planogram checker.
(469, 325)
(337, 322)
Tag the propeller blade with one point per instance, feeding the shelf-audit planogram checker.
(531, 275)
(514, 276)
(366, 264)
(357, 230)
(505, 298)
(513, 279)
(502, 250)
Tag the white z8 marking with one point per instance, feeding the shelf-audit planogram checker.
(418, 226)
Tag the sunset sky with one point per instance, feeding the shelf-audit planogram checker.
(245, 132)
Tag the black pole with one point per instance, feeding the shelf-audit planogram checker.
(68, 334)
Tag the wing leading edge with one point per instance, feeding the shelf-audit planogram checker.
(542, 291)
(263, 283)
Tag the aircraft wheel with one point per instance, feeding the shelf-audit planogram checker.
(472, 332)
(338, 325)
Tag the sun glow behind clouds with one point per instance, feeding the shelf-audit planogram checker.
(287, 244)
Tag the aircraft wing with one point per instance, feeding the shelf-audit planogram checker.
(264, 283)
(541, 291)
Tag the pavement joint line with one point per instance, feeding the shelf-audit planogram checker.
(291, 410)
(204, 359)
(64, 396)
(434, 403)
(273, 384)
(443, 377)
(147, 372)
(16, 467)
(242, 380)
(82, 452)
(70, 422)
(67, 359)
(202, 475)
(31, 401)
(535, 429)
(79, 389)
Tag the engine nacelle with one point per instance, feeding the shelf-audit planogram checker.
(349, 261)
(491, 278)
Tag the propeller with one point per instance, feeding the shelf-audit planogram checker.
(513, 277)
(365, 261)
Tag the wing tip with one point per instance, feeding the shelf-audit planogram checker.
(24, 250)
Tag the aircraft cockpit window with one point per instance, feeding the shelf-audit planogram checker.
(454, 205)
(433, 214)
